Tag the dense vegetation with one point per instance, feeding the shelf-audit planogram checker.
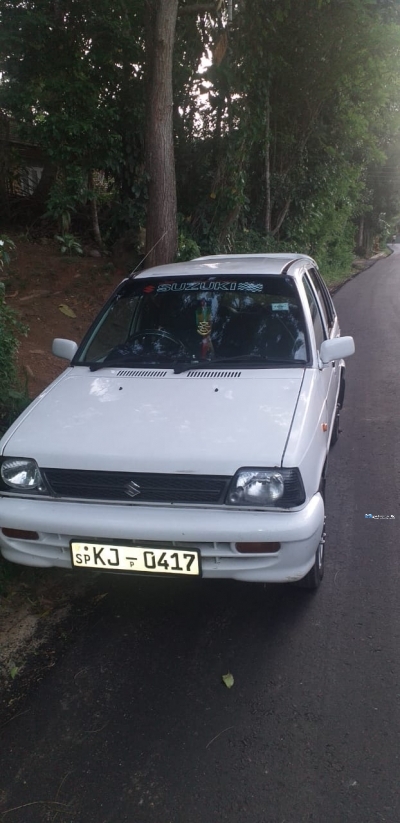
(288, 138)
(13, 393)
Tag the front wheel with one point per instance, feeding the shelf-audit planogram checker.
(336, 428)
(336, 423)
(313, 578)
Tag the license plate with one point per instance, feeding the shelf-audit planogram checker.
(135, 559)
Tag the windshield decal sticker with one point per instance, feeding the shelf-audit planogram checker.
(280, 306)
(253, 287)
(213, 285)
(204, 328)
(204, 325)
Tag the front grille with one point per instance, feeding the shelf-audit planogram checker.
(135, 487)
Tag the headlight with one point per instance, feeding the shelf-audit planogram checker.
(21, 474)
(266, 488)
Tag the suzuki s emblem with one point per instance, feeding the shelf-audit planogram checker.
(132, 489)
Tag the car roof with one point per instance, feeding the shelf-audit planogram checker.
(231, 264)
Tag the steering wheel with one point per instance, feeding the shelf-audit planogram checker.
(158, 333)
(125, 349)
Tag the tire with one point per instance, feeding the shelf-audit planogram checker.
(342, 390)
(336, 428)
(336, 424)
(313, 578)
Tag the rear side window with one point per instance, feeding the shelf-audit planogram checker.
(324, 296)
(319, 330)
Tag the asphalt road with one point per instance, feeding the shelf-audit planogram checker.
(134, 724)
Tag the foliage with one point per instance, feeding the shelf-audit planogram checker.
(65, 195)
(13, 395)
(69, 244)
(187, 246)
(6, 572)
(249, 241)
(289, 139)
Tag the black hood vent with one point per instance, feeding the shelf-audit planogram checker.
(141, 373)
(209, 373)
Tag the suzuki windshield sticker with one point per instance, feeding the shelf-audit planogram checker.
(212, 285)
(204, 325)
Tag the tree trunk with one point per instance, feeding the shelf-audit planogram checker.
(58, 11)
(94, 217)
(267, 171)
(282, 216)
(161, 228)
(360, 239)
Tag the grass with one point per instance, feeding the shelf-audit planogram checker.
(8, 572)
(334, 279)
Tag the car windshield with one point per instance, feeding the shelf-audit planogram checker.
(182, 323)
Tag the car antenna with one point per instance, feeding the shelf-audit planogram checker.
(149, 252)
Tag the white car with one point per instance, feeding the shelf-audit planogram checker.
(190, 433)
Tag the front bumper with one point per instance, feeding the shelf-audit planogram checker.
(212, 530)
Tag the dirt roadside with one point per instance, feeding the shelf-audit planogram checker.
(38, 608)
(54, 296)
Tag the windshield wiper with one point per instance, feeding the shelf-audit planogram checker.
(182, 366)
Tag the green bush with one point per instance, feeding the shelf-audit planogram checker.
(7, 570)
(187, 248)
(66, 194)
(69, 244)
(13, 394)
(249, 241)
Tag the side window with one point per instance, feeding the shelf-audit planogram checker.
(319, 330)
(324, 296)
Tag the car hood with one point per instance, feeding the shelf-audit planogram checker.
(168, 423)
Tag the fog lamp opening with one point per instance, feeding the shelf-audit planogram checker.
(257, 548)
(20, 534)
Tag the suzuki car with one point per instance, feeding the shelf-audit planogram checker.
(190, 432)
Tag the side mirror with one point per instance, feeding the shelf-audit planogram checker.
(336, 349)
(64, 348)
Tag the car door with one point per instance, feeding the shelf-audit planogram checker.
(334, 331)
(324, 328)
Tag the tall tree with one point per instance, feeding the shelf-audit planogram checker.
(161, 224)
(161, 227)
